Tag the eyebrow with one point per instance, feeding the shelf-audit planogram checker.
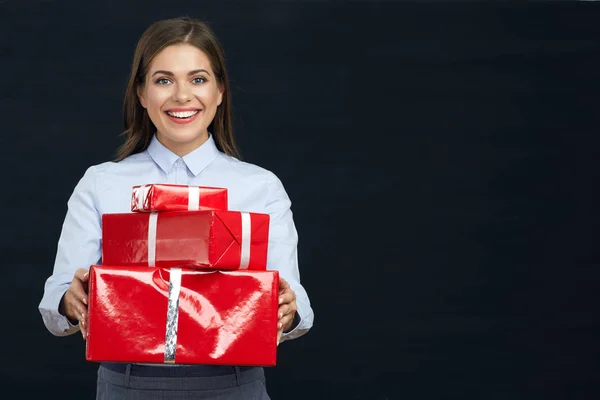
(169, 73)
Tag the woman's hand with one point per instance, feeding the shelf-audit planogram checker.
(287, 307)
(74, 302)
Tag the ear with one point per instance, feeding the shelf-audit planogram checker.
(141, 95)
(220, 98)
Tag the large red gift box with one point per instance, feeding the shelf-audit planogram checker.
(187, 239)
(182, 316)
(169, 197)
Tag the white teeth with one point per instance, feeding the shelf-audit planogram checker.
(182, 114)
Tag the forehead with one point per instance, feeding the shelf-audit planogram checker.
(180, 58)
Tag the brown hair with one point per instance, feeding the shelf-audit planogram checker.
(139, 129)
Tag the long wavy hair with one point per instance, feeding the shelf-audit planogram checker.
(139, 129)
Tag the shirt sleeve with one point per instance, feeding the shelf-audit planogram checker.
(79, 246)
(283, 253)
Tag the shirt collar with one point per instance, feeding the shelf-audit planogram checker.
(196, 161)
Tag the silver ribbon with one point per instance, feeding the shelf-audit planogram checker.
(174, 290)
(246, 232)
(172, 315)
(193, 198)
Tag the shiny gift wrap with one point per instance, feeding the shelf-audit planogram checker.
(182, 316)
(169, 197)
(188, 239)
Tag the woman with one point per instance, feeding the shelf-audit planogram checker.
(177, 114)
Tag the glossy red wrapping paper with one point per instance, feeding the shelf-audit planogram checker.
(169, 197)
(224, 317)
(187, 239)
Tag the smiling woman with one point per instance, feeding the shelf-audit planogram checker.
(178, 68)
(178, 130)
(181, 96)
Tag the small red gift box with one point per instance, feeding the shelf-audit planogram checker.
(187, 239)
(182, 316)
(169, 197)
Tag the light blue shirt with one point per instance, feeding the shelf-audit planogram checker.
(106, 188)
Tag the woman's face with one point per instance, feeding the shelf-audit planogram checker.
(181, 95)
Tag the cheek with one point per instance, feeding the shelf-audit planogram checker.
(156, 98)
(208, 95)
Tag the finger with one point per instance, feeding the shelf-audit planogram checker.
(82, 274)
(283, 285)
(76, 309)
(284, 309)
(287, 309)
(81, 314)
(70, 307)
(287, 297)
(83, 328)
(78, 291)
(285, 321)
(279, 333)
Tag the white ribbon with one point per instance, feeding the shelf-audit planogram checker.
(172, 315)
(193, 198)
(152, 223)
(246, 236)
(140, 197)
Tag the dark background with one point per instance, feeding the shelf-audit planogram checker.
(442, 159)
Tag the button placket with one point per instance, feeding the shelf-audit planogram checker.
(180, 171)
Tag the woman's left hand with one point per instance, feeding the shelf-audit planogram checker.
(287, 307)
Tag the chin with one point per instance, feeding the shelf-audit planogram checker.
(181, 137)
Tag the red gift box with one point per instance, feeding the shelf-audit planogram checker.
(168, 197)
(182, 316)
(186, 239)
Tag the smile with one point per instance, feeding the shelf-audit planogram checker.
(182, 117)
(182, 114)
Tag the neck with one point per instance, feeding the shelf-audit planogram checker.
(182, 148)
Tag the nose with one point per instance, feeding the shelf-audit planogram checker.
(182, 94)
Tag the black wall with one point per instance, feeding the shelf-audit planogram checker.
(442, 159)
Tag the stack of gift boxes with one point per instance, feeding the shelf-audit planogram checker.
(183, 280)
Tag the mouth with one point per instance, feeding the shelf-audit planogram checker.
(182, 117)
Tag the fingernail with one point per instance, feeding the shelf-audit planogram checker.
(279, 325)
(86, 274)
(280, 300)
(280, 315)
(277, 342)
(84, 300)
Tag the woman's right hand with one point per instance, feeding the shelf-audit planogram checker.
(74, 302)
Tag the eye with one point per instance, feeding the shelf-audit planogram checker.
(162, 81)
(199, 80)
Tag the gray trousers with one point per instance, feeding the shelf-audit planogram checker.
(247, 384)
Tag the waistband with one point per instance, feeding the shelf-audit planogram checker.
(144, 377)
(174, 371)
